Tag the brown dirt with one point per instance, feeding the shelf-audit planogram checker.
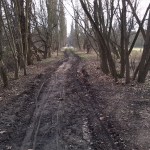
(73, 106)
(16, 87)
(127, 107)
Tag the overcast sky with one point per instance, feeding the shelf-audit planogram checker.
(142, 8)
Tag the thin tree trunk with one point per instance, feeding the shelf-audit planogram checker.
(22, 29)
(3, 71)
(123, 28)
(145, 60)
(126, 42)
(11, 39)
(28, 23)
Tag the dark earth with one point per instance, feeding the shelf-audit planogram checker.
(65, 108)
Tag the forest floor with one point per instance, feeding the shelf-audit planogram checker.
(72, 105)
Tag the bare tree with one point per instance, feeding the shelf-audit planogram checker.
(3, 71)
(97, 22)
(144, 65)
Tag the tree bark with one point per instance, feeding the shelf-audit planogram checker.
(10, 39)
(101, 38)
(144, 65)
(3, 71)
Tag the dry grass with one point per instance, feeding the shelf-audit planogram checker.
(91, 56)
(138, 49)
(136, 53)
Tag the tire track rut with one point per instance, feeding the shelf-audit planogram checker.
(66, 115)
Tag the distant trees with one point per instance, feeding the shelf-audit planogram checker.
(78, 37)
(71, 37)
(50, 26)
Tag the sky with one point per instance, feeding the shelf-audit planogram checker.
(142, 8)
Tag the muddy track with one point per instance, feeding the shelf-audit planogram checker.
(108, 135)
(63, 115)
(16, 116)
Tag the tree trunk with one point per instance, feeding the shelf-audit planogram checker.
(142, 78)
(126, 42)
(104, 62)
(106, 57)
(123, 24)
(127, 63)
(28, 26)
(3, 71)
(23, 31)
(16, 69)
(144, 65)
(10, 38)
(45, 52)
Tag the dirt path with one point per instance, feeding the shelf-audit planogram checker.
(49, 111)
(63, 115)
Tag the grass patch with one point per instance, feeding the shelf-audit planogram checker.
(85, 56)
(136, 54)
(139, 49)
(54, 57)
(82, 54)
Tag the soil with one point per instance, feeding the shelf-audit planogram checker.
(73, 106)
